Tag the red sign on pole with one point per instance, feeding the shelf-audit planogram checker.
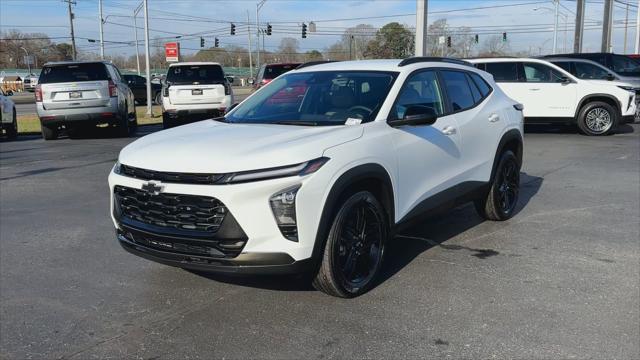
(172, 51)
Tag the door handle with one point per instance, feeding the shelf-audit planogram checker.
(535, 89)
(449, 130)
(494, 118)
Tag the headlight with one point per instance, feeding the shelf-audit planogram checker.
(629, 88)
(117, 168)
(283, 205)
(302, 169)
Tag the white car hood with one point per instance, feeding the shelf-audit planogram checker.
(612, 83)
(214, 147)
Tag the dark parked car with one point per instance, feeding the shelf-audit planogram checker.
(622, 65)
(269, 72)
(138, 85)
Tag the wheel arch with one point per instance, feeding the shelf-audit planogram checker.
(607, 98)
(370, 176)
(511, 140)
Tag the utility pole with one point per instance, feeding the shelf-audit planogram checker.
(637, 44)
(421, 27)
(350, 47)
(135, 32)
(250, 58)
(146, 58)
(101, 31)
(73, 37)
(258, 7)
(577, 40)
(606, 26)
(626, 23)
(556, 4)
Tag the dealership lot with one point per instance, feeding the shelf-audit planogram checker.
(559, 280)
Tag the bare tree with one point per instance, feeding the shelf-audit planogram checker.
(494, 46)
(288, 49)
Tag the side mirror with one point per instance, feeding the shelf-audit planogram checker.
(232, 107)
(250, 81)
(230, 79)
(610, 77)
(416, 115)
(564, 80)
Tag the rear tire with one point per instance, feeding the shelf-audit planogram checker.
(12, 130)
(167, 123)
(49, 132)
(597, 119)
(500, 203)
(355, 247)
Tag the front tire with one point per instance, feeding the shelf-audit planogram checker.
(597, 118)
(355, 247)
(500, 203)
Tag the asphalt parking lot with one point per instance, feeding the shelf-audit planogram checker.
(559, 280)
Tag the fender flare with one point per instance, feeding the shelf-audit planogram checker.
(348, 178)
(508, 136)
(587, 98)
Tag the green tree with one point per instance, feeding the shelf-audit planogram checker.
(392, 41)
(313, 55)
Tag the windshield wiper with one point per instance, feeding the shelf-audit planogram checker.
(296, 122)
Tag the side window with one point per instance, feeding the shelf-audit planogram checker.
(474, 90)
(590, 71)
(564, 65)
(458, 90)
(480, 66)
(482, 85)
(541, 73)
(503, 71)
(419, 89)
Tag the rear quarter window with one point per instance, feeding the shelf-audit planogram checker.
(503, 71)
(73, 72)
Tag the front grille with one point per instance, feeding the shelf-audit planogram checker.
(172, 177)
(195, 214)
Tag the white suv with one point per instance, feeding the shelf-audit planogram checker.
(551, 94)
(316, 171)
(194, 91)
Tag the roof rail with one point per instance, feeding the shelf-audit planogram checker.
(317, 62)
(418, 59)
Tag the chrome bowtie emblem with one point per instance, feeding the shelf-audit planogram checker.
(153, 187)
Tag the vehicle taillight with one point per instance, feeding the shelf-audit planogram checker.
(165, 91)
(113, 89)
(265, 81)
(38, 93)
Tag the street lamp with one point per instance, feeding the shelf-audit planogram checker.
(555, 26)
(27, 60)
(259, 5)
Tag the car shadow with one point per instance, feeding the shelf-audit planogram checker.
(404, 248)
(569, 129)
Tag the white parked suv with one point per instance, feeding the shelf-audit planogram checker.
(316, 171)
(551, 94)
(194, 91)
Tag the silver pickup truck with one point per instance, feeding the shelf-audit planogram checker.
(78, 95)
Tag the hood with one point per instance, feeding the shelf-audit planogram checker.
(214, 147)
(615, 82)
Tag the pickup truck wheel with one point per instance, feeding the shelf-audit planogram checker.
(597, 118)
(355, 247)
(12, 130)
(49, 132)
(500, 203)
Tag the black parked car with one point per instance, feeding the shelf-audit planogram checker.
(138, 85)
(620, 64)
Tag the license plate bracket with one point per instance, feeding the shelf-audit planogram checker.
(196, 92)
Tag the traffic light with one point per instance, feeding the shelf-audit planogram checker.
(448, 41)
(504, 37)
(201, 42)
(216, 43)
(304, 30)
(268, 29)
(233, 29)
(477, 38)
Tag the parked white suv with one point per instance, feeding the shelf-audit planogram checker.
(551, 94)
(317, 170)
(194, 91)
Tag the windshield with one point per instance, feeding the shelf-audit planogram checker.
(625, 66)
(195, 74)
(73, 72)
(589, 71)
(317, 98)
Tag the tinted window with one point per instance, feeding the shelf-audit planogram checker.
(480, 66)
(419, 89)
(590, 71)
(458, 90)
(534, 72)
(73, 72)
(474, 90)
(507, 71)
(195, 74)
(316, 98)
(564, 65)
(624, 65)
(485, 89)
(273, 71)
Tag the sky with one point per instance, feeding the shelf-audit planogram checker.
(171, 18)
